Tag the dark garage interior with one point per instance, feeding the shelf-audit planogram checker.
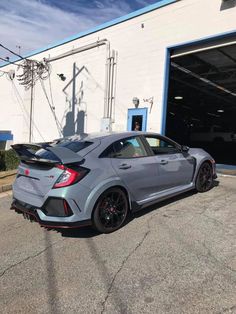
(201, 109)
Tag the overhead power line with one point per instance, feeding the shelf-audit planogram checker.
(59, 127)
(14, 53)
(25, 111)
(32, 71)
(11, 62)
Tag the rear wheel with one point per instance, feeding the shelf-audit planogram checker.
(204, 181)
(110, 211)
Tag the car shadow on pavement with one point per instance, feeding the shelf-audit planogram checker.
(161, 204)
(83, 232)
(171, 200)
(89, 232)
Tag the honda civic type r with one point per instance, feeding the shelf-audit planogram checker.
(97, 179)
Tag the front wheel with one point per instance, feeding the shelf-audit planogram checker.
(204, 181)
(110, 211)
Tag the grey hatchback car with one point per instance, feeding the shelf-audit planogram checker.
(97, 179)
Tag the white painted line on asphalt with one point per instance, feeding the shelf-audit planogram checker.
(226, 175)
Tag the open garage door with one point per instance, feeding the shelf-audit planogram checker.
(201, 109)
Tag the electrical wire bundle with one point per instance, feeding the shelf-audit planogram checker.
(32, 72)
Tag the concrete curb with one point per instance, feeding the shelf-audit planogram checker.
(5, 188)
(5, 194)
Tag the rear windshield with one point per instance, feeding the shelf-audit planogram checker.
(75, 146)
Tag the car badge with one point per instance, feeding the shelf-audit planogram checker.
(27, 172)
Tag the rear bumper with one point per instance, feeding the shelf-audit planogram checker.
(30, 212)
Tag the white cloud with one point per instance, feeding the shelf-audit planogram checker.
(143, 3)
(34, 24)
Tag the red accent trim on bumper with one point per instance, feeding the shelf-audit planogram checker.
(49, 224)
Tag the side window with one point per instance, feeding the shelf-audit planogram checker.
(160, 146)
(126, 148)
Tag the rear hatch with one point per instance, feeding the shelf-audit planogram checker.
(40, 167)
(33, 182)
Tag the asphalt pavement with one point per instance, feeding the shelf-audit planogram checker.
(175, 257)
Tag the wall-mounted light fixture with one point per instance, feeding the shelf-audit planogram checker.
(135, 101)
(62, 76)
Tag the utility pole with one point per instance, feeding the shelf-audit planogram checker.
(31, 102)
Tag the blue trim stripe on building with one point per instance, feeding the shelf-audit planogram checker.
(204, 40)
(5, 136)
(165, 91)
(116, 21)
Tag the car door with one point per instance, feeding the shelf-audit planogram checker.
(135, 167)
(174, 167)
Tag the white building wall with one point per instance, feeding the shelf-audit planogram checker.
(140, 69)
(14, 110)
(89, 93)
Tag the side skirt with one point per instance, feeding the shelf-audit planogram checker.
(163, 195)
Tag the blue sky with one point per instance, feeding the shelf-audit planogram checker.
(33, 24)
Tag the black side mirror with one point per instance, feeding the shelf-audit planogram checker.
(184, 148)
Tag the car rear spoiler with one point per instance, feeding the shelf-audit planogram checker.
(26, 152)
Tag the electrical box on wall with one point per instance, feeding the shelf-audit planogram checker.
(105, 124)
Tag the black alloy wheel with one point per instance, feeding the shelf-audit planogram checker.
(204, 181)
(110, 211)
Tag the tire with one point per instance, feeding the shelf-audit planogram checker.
(110, 211)
(204, 181)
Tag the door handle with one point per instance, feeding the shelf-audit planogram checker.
(164, 162)
(124, 166)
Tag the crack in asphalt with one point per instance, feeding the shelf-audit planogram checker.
(220, 263)
(29, 257)
(209, 254)
(216, 221)
(13, 228)
(228, 310)
(122, 265)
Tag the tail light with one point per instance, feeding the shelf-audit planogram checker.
(69, 176)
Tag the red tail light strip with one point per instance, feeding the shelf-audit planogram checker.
(67, 209)
(69, 176)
